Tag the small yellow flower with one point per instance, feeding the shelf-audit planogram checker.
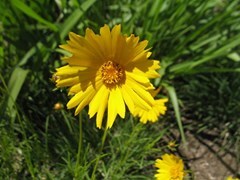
(158, 108)
(58, 106)
(107, 71)
(170, 167)
(172, 145)
(231, 178)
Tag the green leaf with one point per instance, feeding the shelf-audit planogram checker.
(187, 66)
(173, 97)
(31, 13)
(64, 29)
(234, 56)
(75, 16)
(14, 86)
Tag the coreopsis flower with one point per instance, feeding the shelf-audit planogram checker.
(172, 145)
(232, 178)
(58, 106)
(158, 108)
(170, 167)
(107, 71)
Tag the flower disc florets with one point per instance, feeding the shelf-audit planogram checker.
(112, 73)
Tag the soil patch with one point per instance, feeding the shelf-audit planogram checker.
(207, 159)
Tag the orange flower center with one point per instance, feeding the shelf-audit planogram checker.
(112, 73)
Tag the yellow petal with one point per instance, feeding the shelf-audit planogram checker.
(115, 106)
(127, 99)
(106, 40)
(145, 95)
(102, 108)
(67, 82)
(119, 103)
(69, 70)
(115, 34)
(137, 100)
(112, 113)
(137, 77)
(80, 96)
(146, 68)
(80, 58)
(79, 44)
(122, 53)
(89, 48)
(95, 43)
(97, 100)
(75, 89)
(87, 98)
(140, 48)
(101, 111)
(132, 41)
(75, 100)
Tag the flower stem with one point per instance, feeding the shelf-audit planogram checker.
(99, 155)
(76, 173)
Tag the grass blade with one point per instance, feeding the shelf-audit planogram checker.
(173, 97)
(222, 51)
(65, 28)
(75, 16)
(14, 86)
(31, 13)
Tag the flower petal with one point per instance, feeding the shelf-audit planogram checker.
(144, 68)
(137, 77)
(98, 104)
(102, 108)
(143, 93)
(106, 40)
(137, 100)
(127, 99)
(112, 113)
(115, 106)
(67, 82)
(119, 103)
(116, 35)
(97, 100)
(83, 96)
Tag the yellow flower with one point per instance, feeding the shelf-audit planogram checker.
(172, 145)
(170, 167)
(107, 71)
(58, 106)
(231, 178)
(157, 109)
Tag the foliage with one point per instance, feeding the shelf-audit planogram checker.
(197, 43)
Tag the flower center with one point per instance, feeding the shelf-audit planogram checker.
(112, 73)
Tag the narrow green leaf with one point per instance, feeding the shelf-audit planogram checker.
(14, 86)
(187, 66)
(212, 70)
(235, 41)
(75, 16)
(1, 42)
(31, 13)
(234, 56)
(64, 29)
(173, 97)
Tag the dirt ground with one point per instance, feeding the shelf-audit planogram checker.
(207, 160)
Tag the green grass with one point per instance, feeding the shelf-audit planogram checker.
(197, 43)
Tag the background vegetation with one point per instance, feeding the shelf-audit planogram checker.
(197, 43)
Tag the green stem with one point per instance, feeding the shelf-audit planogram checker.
(76, 173)
(100, 152)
